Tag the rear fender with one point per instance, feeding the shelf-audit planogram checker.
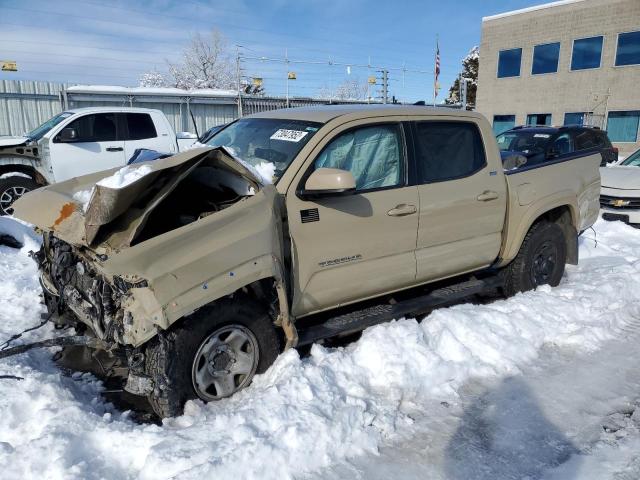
(521, 222)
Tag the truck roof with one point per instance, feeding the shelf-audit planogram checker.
(112, 109)
(324, 113)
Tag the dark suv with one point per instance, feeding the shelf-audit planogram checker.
(540, 144)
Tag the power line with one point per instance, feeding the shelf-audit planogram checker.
(82, 46)
(240, 27)
(48, 55)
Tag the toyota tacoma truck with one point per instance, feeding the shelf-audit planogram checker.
(292, 227)
(81, 141)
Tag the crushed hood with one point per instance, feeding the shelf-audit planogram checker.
(13, 141)
(119, 213)
(620, 177)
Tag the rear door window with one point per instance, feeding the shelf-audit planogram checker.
(139, 126)
(447, 150)
(587, 140)
(99, 127)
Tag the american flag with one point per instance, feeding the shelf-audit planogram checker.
(436, 85)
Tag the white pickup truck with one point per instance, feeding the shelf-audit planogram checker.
(78, 142)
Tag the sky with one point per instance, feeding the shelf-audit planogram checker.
(114, 42)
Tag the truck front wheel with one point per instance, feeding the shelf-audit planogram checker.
(11, 189)
(211, 355)
(540, 261)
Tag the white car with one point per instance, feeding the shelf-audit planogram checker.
(620, 191)
(78, 142)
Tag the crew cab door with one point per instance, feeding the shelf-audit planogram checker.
(462, 198)
(141, 131)
(347, 248)
(96, 147)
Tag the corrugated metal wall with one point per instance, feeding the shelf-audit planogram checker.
(25, 104)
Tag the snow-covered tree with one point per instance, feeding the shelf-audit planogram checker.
(152, 78)
(351, 89)
(205, 63)
(470, 73)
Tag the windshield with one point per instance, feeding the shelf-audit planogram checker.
(632, 160)
(40, 132)
(523, 141)
(268, 144)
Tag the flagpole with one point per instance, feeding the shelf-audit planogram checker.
(435, 78)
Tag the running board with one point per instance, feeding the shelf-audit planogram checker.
(367, 317)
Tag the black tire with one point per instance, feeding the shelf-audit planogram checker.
(12, 188)
(170, 357)
(533, 265)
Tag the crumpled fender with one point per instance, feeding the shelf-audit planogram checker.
(144, 313)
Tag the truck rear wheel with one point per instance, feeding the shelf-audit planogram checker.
(211, 355)
(540, 261)
(11, 189)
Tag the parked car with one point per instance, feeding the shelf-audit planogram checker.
(539, 144)
(199, 270)
(620, 194)
(77, 142)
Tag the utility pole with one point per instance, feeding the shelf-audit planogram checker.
(385, 85)
(463, 93)
(286, 61)
(238, 81)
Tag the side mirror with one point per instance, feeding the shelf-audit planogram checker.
(67, 135)
(326, 182)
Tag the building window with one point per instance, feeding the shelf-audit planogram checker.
(575, 118)
(545, 58)
(586, 53)
(502, 123)
(509, 63)
(623, 126)
(539, 119)
(628, 52)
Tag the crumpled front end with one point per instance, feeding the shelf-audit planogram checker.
(71, 281)
(134, 260)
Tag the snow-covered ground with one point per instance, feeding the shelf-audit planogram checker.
(517, 388)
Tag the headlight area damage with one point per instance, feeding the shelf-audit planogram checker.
(128, 253)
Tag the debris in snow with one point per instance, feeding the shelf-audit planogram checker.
(304, 414)
(125, 176)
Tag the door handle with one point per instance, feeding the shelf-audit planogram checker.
(114, 149)
(487, 195)
(402, 210)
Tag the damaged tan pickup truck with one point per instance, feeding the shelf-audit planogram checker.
(295, 226)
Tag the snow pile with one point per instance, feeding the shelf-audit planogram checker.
(302, 414)
(83, 197)
(120, 179)
(267, 171)
(125, 176)
(22, 232)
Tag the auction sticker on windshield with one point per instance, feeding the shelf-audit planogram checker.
(289, 135)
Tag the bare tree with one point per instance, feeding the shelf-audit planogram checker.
(205, 63)
(351, 89)
(152, 78)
